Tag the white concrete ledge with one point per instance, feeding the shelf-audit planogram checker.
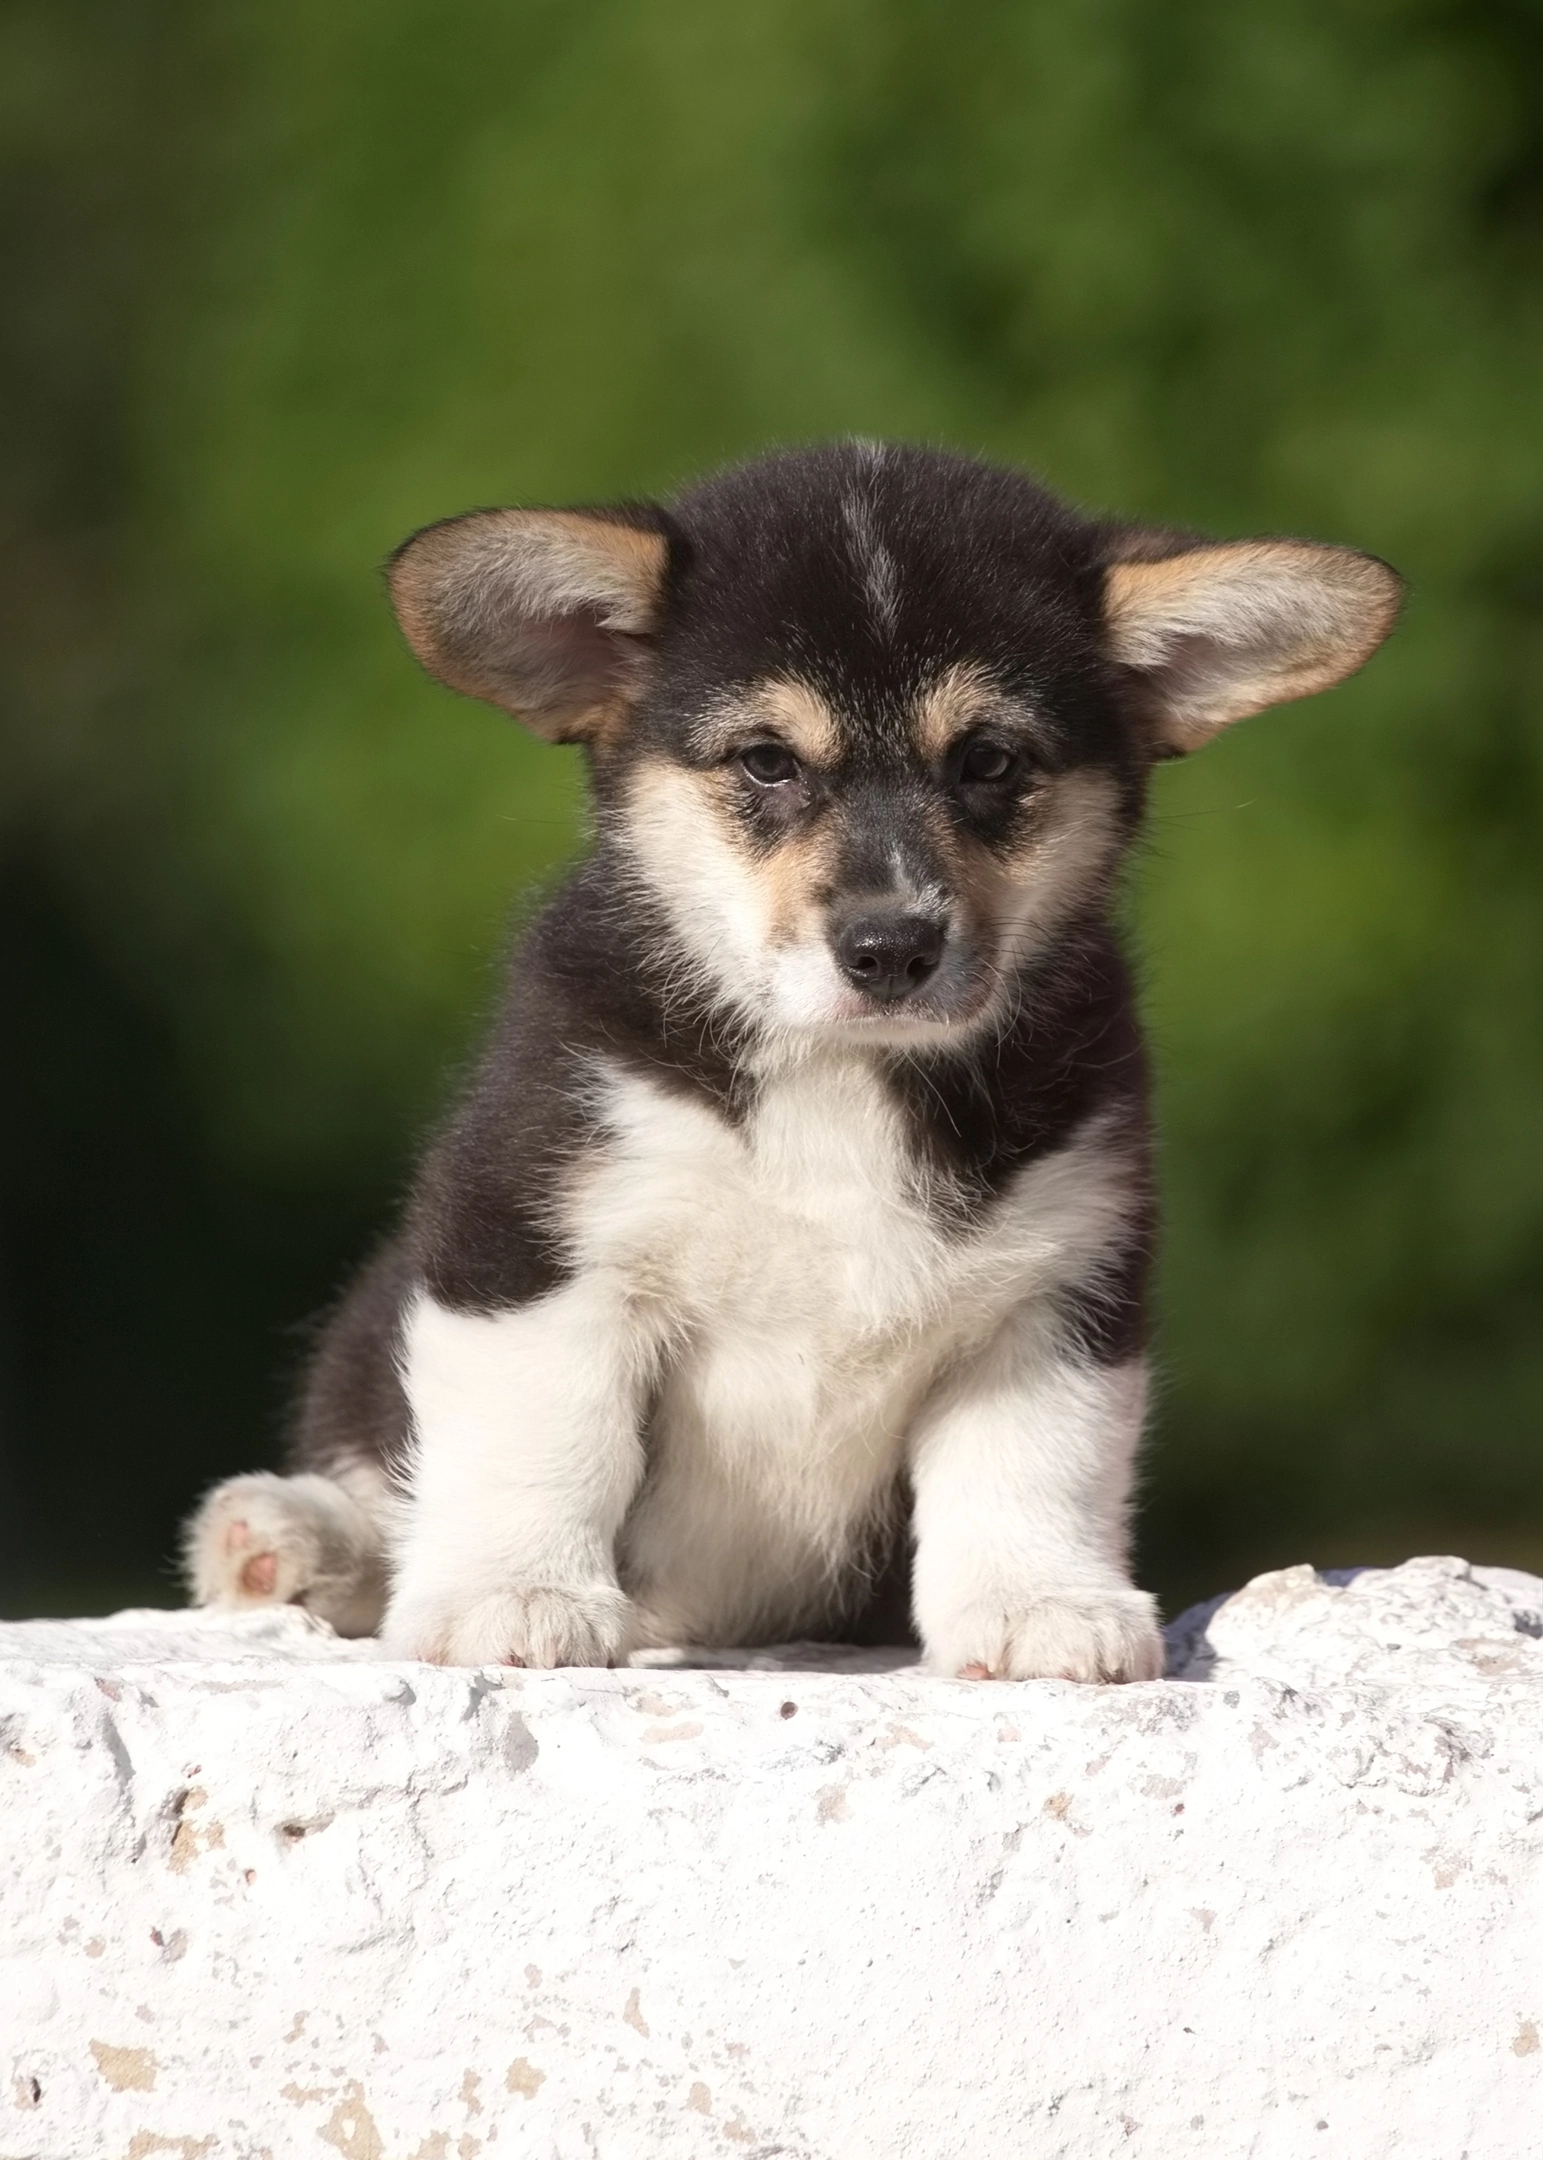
(263, 1893)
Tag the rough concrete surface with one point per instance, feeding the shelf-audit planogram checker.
(263, 1893)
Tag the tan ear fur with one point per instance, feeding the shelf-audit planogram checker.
(1221, 632)
(544, 613)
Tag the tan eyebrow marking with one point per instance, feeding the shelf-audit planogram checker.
(784, 706)
(961, 697)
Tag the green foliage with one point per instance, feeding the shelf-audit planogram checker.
(293, 280)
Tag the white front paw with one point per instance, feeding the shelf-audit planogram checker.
(539, 1624)
(1063, 1635)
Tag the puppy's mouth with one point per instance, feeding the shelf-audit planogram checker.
(946, 1006)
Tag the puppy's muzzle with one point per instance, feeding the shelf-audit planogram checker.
(889, 953)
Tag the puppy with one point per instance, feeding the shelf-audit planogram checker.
(800, 1211)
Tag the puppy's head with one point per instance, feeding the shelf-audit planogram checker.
(873, 725)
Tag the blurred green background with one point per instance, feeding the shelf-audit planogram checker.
(282, 282)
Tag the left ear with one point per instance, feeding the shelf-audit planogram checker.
(1220, 631)
(548, 614)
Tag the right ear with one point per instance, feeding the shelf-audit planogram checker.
(546, 613)
(1220, 629)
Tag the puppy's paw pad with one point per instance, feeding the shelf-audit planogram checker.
(259, 1575)
(255, 1541)
(1091, 1636)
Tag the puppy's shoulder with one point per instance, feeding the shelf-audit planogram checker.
(584, 1000)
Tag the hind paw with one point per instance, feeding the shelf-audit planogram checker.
(266, 1540)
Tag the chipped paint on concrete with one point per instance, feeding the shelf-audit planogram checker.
(126, 2069)
(802, 1903)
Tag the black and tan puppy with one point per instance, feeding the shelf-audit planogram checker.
(803, 1196)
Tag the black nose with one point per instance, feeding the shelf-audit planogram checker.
(889, 955)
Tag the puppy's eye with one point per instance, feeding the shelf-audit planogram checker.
(768, 764)
(986, 764)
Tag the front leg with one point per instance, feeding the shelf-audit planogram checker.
(526, 1456)
(1022, 1467)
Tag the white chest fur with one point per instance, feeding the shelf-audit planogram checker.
(805, 1224)
(804, 1298)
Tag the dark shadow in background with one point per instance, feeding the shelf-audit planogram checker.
(154, 1308)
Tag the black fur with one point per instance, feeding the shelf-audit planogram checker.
(988, 568)
(985, 568)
